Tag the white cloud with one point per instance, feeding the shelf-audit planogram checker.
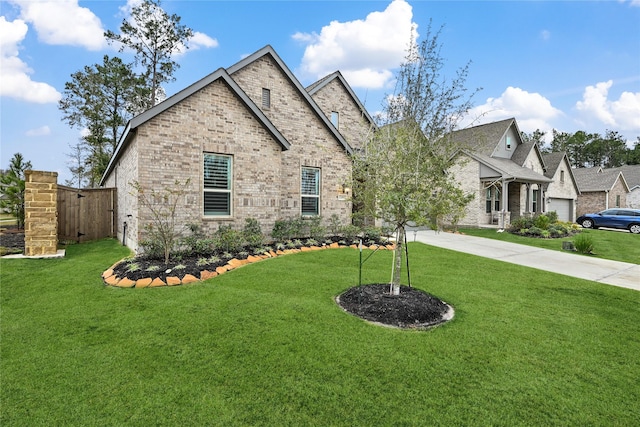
(41, 131)
(63, 22)
(621, 115)
(16, 82)
(201, 40)
(531, 110)
(363, 50)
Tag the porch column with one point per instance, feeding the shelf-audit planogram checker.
(505, 201)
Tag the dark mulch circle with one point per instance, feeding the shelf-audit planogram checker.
(12, 238)
(413, 308)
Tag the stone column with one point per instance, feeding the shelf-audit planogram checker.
(41, 213)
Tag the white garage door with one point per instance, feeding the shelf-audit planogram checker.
(562, 207)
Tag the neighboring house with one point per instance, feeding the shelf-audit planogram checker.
(631, 175)
(600, 189)
(253, 143)
(562, 193)
(505, 174)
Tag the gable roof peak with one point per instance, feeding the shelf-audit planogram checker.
(269, 50)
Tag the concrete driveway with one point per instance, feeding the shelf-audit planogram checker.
(614, 273)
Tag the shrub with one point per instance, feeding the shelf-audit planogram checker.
(252, 233)
(535, 231)
(542, 221)
(334, 225)
(280, 231)
(317, 231)
(520, 224)
(583, 243)
(553, 216)
(350, 232)
(287, 229)
(372, 234)
(227, 239)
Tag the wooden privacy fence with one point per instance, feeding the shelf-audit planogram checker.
(85, 215)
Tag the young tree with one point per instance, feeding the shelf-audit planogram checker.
(155, 37)
(12, 187)
(401, 175)
(162, 230)
(100, 100)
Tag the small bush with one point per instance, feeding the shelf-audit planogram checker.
(535, 231)
(252, 233)
(350, 232)
(287, 229)
(520, 224)
(372, 233)
(227, 239)
(553, 216)
(542, 221)
(317, 231)
(280, 231)
(334, 225)
(583, 243)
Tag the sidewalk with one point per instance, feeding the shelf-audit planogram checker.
(614, 273)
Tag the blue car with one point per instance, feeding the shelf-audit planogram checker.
(625, 219)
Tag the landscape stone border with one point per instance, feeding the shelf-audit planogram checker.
(110, 279)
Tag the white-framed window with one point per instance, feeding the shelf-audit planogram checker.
(335, 119)
(310, 191)
(508, 143)
(266, 98)
(534, 202)
(217, 184)
(561, 176)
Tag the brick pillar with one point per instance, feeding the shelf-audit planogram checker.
(41, 213)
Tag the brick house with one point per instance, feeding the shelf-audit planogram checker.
(600, 189)
(253, 142)
(506, 175)
(631, 174)
(562, 193)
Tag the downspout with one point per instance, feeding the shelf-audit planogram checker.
(606, 199)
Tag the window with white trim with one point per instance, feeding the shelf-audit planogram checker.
(310, 191)
(217, 184)
(508, 143)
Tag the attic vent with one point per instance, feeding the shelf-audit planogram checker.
(335, 119)
(266, 98)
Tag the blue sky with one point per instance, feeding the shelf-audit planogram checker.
(565, 65)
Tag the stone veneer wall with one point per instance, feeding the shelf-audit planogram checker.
(41, 213)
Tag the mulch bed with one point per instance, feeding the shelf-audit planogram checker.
(413, 308)
(12, 239)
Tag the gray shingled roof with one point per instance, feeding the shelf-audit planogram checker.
(552, 161)
(510, 170)
(631, 174)
(596, 179)
(482, 139)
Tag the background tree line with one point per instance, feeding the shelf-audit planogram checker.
(101, 98)
(586, 150)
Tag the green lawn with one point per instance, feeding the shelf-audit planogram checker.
(267, 345)
(608, 244)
